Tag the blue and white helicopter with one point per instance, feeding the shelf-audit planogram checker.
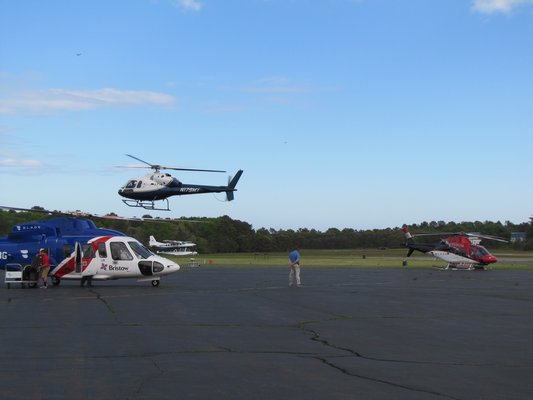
(79, 250)
(146, 190)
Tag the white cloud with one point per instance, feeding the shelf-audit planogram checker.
(188, 5)
(18, 163)
(57, 100)
(14, 162)
(495, 6)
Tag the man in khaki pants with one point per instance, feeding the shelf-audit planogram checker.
(294, 263)
(44, 267)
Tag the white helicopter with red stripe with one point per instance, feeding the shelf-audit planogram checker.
(112, 257)
(459, 250)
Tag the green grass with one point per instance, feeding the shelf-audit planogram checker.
(372, 258)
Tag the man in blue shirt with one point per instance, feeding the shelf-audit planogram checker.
(294, 263)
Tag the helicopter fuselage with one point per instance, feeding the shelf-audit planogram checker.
(58, 235)
(162, 186)
(143, 192)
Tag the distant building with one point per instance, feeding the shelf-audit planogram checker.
(518, 237)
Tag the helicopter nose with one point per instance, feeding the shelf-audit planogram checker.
(171, 267)
(489, 259)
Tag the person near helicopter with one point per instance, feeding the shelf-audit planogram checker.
(44, 267)
(294, 264)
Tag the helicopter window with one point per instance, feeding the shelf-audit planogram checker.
(139, 184)
(140, 251)
(102, 251)
(67, 250)
(119, 251)
(158, 267)
(88, 251)
(481, 251)
(130, 184)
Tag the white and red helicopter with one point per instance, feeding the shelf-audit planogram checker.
(459, 250)
(113, 257)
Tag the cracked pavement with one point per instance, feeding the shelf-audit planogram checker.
(241, 333)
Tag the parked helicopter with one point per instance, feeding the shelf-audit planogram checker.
(113, 257)
(459, 250)
(77, 249)
(173, 247)
(146, 190)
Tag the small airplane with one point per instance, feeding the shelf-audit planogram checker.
(78, 249)
(146, 190)
(459, 250)
(173, 247)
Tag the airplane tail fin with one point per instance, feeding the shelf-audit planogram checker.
(152, 241)
(231, 185)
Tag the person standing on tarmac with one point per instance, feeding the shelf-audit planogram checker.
(294, 264)
(88, 279)
(44, 268)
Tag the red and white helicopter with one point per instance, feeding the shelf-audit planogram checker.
(113, 257)
(459, 250)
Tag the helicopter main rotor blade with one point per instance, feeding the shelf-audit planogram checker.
(158, 167)
(488, 237)
(138, 159)
(192, 169)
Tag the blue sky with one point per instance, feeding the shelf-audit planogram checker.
(343, 113)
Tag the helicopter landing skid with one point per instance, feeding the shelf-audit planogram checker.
(146, 204)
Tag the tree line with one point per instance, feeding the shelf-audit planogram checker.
(227, 235)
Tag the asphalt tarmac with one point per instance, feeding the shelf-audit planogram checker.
(237, 333)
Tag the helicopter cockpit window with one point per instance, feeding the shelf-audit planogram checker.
(119, 251)
(139, 184)
(481, 251)
(140, 251)
(131, 184)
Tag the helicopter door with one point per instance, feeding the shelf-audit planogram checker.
(123, 263)
(149, 268)
(78, 257)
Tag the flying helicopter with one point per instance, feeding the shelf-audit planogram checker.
(78, 249)
(146, 190)
(459, 250)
